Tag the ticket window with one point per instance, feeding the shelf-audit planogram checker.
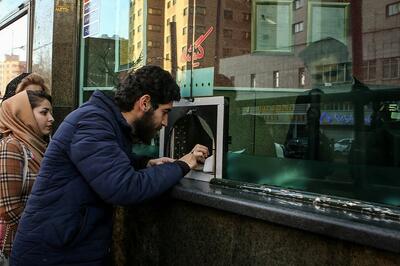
(201, 121)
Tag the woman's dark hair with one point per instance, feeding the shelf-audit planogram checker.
(36, 97)
(12, 86)
(151, 80)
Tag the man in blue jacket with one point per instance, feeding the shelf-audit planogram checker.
(88, 167)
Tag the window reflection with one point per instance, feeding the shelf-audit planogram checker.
(313, 85)
(13, 51)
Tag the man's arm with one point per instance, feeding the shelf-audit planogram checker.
(106, 167)
(138, 161)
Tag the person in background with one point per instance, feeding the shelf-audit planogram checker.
(25, 122)
(12, 86)
(89, 167)
(25, 81)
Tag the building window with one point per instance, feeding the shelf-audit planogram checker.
(331, 73)
(173, 2)
(168, 21)
(393, 9)
(228, 33)
(184, 49)
(185, 11)
(246, 35)
(323, 16)
(273, 27)
(153, 44)
(200, 10)
(166, 56)
(139, 28)
(152, 27)
(275, 76)
(369, 70)
(184, 31)
(155, 11)
(173, 18)
(298, 4)
(139, 12)
(139, 45)
(169, 4)
(200, 29)
(226, 52)
(302, 77)
(298, 27)
(391, 68)
(253, 80)
(228, 14)
(246, 16)
(167, 39)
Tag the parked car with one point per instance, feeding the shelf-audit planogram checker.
(296, 148)
(343, 145)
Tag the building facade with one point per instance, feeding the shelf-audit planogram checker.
(9, 68)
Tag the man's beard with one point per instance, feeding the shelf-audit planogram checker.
(144, 129)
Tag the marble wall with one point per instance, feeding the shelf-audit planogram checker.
(172, 232)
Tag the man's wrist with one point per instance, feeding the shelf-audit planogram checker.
(184, 167)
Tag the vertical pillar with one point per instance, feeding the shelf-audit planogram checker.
(55, 49)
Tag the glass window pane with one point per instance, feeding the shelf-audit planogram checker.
(273, 27)
(329, 20)
(315, 111)
(7, 7)
(13, 51)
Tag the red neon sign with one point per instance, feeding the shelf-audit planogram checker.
(198, 52)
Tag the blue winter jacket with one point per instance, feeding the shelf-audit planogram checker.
(86, 169)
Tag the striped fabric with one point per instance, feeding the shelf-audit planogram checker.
(12, 197)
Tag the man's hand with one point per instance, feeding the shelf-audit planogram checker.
(198, 155)
(158, 161)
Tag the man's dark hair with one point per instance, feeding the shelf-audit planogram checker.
(151, 80)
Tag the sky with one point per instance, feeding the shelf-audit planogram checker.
(114, 17)
(13, 37)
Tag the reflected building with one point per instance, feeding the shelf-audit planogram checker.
(275, 63)
(146, 32)
(222, 29)
(9, 69)
(380, 38)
